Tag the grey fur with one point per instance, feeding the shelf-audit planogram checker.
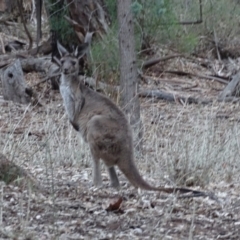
(103, 125)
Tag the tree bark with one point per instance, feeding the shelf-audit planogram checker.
(88, 16)
(128, 68)
(14, 85)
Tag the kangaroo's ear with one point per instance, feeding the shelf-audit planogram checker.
(62, 50)
(81, 50)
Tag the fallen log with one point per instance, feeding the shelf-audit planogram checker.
(151, 62)
(158, 94)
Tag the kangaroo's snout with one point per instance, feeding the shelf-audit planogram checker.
(65, 70)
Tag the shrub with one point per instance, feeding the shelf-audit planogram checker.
(58, 23)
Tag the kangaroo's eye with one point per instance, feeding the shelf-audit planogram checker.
(73, 63)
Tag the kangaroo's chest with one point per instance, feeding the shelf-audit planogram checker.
(68, 96)
(69, 87)
(71, 99)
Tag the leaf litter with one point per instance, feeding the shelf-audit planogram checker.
(74, 209)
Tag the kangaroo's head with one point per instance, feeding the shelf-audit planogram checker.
(69, 62)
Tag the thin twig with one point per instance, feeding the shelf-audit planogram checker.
(152, 62)
(198, 75)
(45, 79)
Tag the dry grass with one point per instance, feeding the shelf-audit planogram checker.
(182, 145)
(195, 144)
(190, 145)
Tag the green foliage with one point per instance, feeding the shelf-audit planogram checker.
(219, 16)
(136, 8)
(111, 6)
(57, 11)
(105, 56)
(188, 43)
(158, 21)
(148, 16)
(151, 18)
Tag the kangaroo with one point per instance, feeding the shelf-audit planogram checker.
(102, 125)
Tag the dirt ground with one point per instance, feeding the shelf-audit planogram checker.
(41, 140)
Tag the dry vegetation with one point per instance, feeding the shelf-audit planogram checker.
(195, 145)
(183, 145)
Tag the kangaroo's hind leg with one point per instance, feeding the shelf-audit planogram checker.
(102, 141)
(113, 177)
(97, 178)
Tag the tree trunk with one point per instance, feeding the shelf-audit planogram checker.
(14, 85)
(88, 16)
(128, 68)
